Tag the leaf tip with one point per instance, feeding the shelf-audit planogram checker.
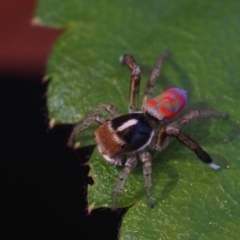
(77, 145)
(36, 22)
(86, 164)
(90, 208)
(45, 79)
(52, 123)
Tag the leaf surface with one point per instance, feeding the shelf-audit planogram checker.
(191, 200)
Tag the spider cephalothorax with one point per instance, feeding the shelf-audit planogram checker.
(132, 134)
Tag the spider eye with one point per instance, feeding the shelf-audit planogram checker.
(168, 104)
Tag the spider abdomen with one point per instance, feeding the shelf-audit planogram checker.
(168, 104)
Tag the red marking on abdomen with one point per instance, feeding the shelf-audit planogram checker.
(151, 103)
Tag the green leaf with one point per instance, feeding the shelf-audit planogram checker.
(191, 200)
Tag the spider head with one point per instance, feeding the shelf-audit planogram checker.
(166, 105)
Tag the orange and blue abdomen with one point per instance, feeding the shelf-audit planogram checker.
(168, 104)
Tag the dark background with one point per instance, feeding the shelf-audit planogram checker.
(43, 183)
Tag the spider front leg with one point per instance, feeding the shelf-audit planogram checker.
(129, 61)
(128, 167)
(191, 144)
(93, 116)
(147, 172)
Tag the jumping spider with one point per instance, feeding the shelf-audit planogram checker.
(131, 134)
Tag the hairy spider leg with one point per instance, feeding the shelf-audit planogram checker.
(173, 130)
(146, 159)
(161, 141)
(123, 175)
(93, 116)
(130, 62)
(152, 79)
(196, 114)
(192, 145)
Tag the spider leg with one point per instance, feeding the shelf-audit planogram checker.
(195, 114)
(129, 61)
(128, 167)
(83, 125)
(93, 116)
(162, 140)
(192, 145)
(147, 172)
(152, 79)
